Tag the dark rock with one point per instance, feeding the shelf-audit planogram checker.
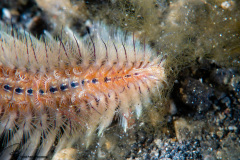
(197, 95)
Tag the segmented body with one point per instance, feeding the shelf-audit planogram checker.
(80, 95)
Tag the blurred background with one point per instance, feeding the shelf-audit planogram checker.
(196, 116)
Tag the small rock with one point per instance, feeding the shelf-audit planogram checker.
(66, 154)
(232, 128)
(220, 133)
